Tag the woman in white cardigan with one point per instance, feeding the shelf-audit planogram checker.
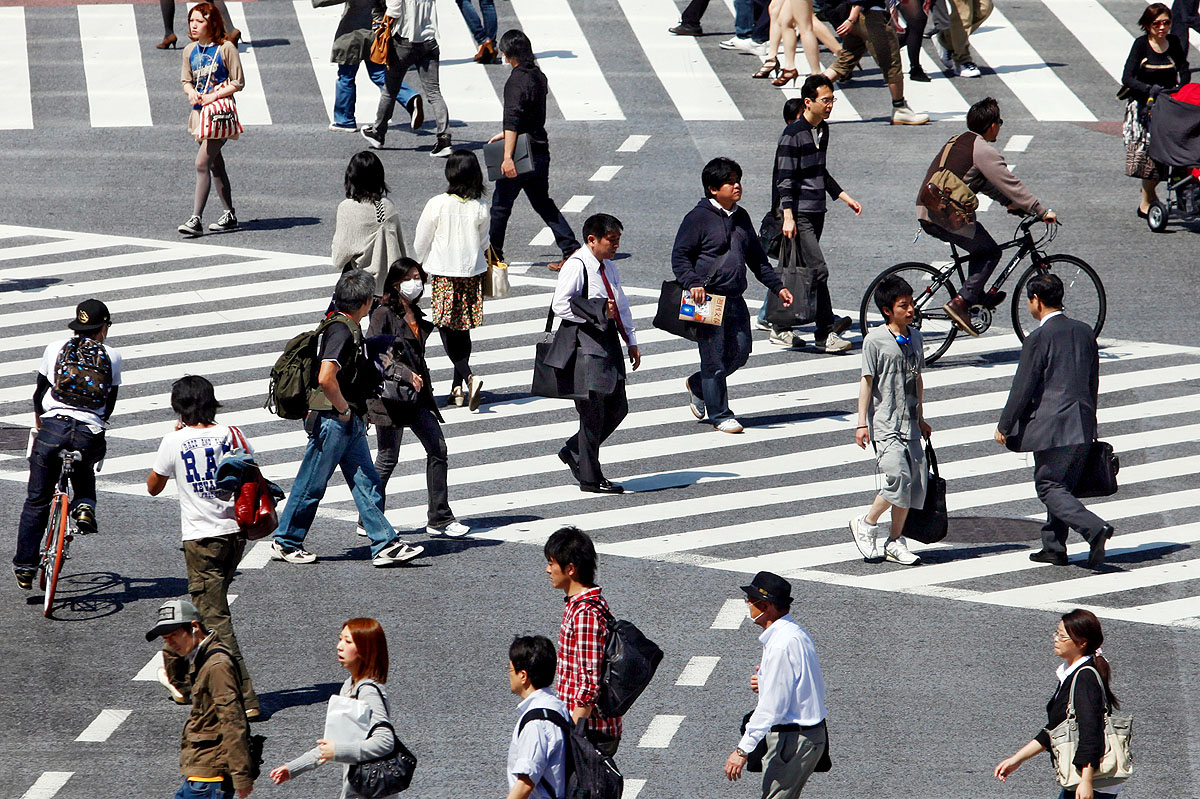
(451, 237)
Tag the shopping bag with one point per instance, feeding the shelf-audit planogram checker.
(219, 119)
(495, 280)
(347, 721)
(666, 317)
(929, 524)
(801, 281)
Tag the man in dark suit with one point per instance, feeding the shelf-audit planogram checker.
(595, 318)
(1051, 412)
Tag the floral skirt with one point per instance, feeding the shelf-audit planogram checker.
(457, 301)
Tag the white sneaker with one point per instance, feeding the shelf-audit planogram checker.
(760, 50)
(729, 426)
(696, 406)
(834, 343)
(399, 552)
(297, 555)
(865, 537)
(943, 55)
(968, 69)
(451, 530)
(896, 550)
(742, 45)
(904, 115)
(360, 531)
(782, 338)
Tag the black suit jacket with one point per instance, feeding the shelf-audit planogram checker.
(1052, 402)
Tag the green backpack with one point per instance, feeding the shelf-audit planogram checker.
(294, 375)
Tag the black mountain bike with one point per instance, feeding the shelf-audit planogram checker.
(933, 287)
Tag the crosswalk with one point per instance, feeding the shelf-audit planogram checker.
(699, 81)
(776, 497)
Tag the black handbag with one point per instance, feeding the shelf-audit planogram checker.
(1099, 475)
(388, 775)
(666, 317)
(801, 281)
(929, 524)
(547, 380)
(770, 233)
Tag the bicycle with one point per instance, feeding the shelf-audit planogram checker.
(61, 529)
(933, 287)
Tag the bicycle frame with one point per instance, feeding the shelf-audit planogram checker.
(1025, 244)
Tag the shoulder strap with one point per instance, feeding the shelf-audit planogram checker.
(946, 151)
(379, 212)
(1074, 679)
(608, 616)
(545, 714)
(386, 709)
(929, 453)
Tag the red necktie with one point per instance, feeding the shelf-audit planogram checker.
(611, 296)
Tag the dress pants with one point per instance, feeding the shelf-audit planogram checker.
(790, 760)
(424, 56)
(1055, 473)
(984, 255)
(536, 185)
(599, 416)
(694, 11)
(723, 350)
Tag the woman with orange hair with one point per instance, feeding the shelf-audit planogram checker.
(362, 651)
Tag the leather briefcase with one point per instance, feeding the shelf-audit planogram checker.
(1099, 476)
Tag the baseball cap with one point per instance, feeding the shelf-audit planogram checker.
(90, 315)
(171, 616)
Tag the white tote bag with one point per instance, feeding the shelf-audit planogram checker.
(347, 721)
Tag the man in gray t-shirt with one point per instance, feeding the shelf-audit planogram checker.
(890, 396)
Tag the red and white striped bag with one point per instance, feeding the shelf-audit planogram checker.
(219, 119)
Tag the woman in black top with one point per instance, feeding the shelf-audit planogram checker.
(525, 113)
(1077, 641)
(407, 399)
(1157, 62)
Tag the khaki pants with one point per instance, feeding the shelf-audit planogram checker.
(965, 18)
(873, 32)
(790, 760)
(211, 563)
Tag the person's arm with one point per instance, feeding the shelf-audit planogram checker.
(532, 756)
(684, 254)
(233, 65)
(626, 314)
(1089, 709)
(787, 164)
(521, 789)
(514, 108)
(379, 742)
(862, 433)
(39, 393)
(995, 171)
(1179, 54)
(327, 380)
(110, 403)
(226, 693)
(926, 430)
(775, 678)
(1024, 386)
(856, 10)
(186, 77)
(426, 226)
(757, 260)
(591, 632)
(164, 467)
(1011, 764)
(1129, 76)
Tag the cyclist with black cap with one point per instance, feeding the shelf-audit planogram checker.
(76, 392)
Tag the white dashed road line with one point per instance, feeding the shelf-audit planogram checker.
(149, 672)
(544, 238)
(731, 616)
(1018, 144)
(697, 670)
(576, 204)
(605, 173)
(632, 789)
(48, 784)
(632, 145)
(660, 732)
(104, 725)
(257, 557)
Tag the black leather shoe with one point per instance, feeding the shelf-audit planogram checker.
(603, 487)
(686, 29)
(567, 458)
(1042, 556)
(1096, 555)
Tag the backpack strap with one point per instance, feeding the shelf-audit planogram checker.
(555, 718)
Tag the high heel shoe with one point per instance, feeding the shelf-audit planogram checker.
(770, 67)
(786, 76)
(168, 42)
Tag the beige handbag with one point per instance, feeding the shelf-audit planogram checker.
(495, 279)
(1117, 764)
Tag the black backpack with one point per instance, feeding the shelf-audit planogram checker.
(82, 374)
(591, 774)
(630, 660)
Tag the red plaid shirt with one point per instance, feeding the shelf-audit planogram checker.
(581, 641)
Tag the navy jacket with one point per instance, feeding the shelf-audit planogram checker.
(712, 249)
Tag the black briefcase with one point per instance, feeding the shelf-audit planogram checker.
(549, 381)
(666, 317)
(929, 524)
(1099, 476)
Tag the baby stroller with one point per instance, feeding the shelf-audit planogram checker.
(1175, 146)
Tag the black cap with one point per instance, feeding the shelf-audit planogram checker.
(769, 587)
(90, 315)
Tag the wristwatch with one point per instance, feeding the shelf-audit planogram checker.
(738, 751)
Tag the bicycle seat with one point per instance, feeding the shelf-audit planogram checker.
(71, 455)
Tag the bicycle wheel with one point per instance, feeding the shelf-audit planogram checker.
(930, 292)
(55, 553)
(53, 521)
(1083, 294)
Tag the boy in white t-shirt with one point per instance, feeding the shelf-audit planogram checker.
(212, 540)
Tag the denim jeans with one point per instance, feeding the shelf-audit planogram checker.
(536, 185)
(427, 430)
(743, 18)
(346, 92)
(205, 790)
(424, 56)
(984, 255)
(334, 443)
(481, 31)
(723, 350)
(45, 465)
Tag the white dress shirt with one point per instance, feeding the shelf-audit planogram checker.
(539, 751)
(791, 689)
(1048, 317)
(570, 284)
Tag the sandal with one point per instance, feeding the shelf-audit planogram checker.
(785, 76)
(769, 68)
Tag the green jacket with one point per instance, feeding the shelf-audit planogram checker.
(216, 737)
(352, 41)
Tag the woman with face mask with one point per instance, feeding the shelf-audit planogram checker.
(451, 237)
(407, 396)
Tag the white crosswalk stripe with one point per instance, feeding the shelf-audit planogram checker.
(698, 84)
(777, 497)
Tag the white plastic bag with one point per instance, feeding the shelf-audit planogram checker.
(347, 721)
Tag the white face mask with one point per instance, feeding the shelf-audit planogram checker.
(411, 289)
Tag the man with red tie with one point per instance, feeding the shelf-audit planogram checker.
(595, 320)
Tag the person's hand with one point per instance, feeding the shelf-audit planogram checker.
(497, 137)
(734, 766)
(179, 425)
(754, 681)
(845, 27)
(862, 437)
(926, 430)
(242, 793)
(193, 96)
(281, 775)
(785, 297)
(582, 712)
(635, 357)
(1084, 789)
(417, 382)
(854, 205)
(508, 168)
(1007, 767)
(324, 750)
(1001, 439)
(610, 309)
(789, 226)
(1051, 218)
(206, 99)
(698, 294)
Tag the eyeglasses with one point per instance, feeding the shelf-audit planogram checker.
(1161, 23)
(1061, 636)
(826, 100)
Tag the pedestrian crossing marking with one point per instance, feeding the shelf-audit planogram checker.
(112, 67)
(318, 28)
(252, 99)
(1097, 30)
(526, 493)
(16, 111)
(939, 98)
(1018, 144)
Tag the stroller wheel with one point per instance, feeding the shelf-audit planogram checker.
(1157, 217)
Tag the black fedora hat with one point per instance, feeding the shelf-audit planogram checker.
(769, 587)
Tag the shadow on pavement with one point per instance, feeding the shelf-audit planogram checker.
(274, 701)
(94, 595)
